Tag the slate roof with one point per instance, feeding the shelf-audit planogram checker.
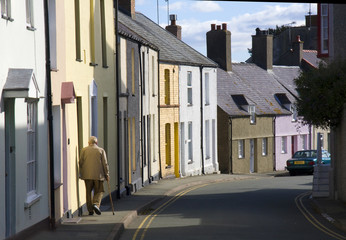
(128, 33)
(256, 84)
(310, 56)
(285, 75)
(172, 50)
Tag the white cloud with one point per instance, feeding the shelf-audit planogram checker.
(242, 27)
(206, 6)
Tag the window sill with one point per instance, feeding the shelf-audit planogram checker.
(30, 28)
(93, 64)
(189, 162)
(7, 18)
(31, 200)
(189, 104)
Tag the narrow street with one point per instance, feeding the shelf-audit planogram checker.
(264, 208)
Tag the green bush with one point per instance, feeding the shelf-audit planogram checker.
(322, 94)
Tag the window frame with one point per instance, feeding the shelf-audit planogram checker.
(6, 10)
(241, 149)
(30, 24)
(252, 112)
(189, 88)
(206, 88)
(264, 146)
(284, 144)
(189, 142)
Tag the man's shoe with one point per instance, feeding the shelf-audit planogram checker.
(91, 213)
(96, 209)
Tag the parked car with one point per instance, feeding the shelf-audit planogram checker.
(304, 161)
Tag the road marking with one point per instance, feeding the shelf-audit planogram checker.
(299, 203)
(148, 220)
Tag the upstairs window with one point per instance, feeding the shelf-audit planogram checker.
(324, 29)
(294, 113)
(167, 87)
(6, 9)
(252, 112)
(206, 87)
(29, 15)
(189, 88)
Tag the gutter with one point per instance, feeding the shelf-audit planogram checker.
(201, 90)
(117, 79)
(141, 108)
(50, 117)
(159, 112)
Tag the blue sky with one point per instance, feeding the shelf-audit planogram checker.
(242, 19)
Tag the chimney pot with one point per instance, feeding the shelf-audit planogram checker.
(224, 26)
(298, 38)
(213, 26)
(218, 27)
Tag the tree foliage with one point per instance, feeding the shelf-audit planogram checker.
(322, 94)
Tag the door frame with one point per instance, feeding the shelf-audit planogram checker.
(10, 171)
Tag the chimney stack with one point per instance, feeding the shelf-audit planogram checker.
(297, 51)
(174, 28)
(262, 49)
(219, 46)
(128, 7)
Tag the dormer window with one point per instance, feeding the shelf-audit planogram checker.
(252, 112)
(283, 100)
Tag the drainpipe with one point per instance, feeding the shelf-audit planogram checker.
(159, 119)
(274, 143)
(201, 90)
(50, 117)
(141, 109)
(117, 67)
(231, 147)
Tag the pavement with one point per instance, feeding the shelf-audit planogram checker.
(108, 226)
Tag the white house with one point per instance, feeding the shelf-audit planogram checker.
(24, 181)
(198, 144)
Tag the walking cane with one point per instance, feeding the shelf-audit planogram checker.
(110, 196)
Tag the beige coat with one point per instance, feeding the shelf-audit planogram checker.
(93, 163)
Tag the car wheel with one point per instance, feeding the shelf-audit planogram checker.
(292, 173)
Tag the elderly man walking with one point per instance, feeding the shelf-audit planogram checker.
(94, 170)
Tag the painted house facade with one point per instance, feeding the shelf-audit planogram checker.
(177, 61)
(83, 87)
(139, 116)
(24, 183)
(273, 133)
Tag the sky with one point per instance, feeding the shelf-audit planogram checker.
(242, 18)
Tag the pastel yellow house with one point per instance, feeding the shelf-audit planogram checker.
(83, 88)
(169, 120)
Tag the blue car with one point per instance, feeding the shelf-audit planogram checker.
(304, 161)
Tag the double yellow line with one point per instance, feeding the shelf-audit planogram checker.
(299, 203)
(148, 220)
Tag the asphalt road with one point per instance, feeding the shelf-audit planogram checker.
(264, 208)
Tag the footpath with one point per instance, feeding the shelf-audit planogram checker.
(108, 226)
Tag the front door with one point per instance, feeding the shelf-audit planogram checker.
(10, 159)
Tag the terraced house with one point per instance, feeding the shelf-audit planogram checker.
(24, 182)
(139, 133)
(258, 111)
(187, 89)
(83, 87)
